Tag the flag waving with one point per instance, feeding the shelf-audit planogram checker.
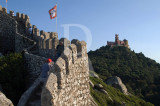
(53, 12)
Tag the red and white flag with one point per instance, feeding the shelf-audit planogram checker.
(53, 12)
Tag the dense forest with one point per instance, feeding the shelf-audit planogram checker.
(140, 74)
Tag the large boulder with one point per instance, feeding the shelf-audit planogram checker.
(116, 82)
(4, 101)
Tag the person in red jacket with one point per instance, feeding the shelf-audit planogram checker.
(45, 70)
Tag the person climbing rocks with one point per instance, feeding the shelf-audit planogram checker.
(45, 70)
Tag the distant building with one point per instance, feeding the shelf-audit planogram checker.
(118, 42)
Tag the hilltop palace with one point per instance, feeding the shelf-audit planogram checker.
(118, 42)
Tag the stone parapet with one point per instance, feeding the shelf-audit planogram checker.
(72, 79)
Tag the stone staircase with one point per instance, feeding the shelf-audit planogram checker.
(21, 28)
(33, 48)
(35, 98)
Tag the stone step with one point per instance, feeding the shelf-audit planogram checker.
(35, 103)
(34, 52)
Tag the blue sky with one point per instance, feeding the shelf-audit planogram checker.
(136, 20)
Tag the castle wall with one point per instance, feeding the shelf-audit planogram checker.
(22, 42)
(13, 31)
(33, 65)
(47, 43)
(22, 38)
(68, 82)
(7, 32)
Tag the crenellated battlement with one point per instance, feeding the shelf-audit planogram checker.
(4, 10)
(69, 76)
(81, 47)
(47, 42)
(19, 16)
(0, 8)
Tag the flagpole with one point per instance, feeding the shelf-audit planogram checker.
(56, 17)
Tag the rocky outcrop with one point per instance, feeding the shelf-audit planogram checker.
(116, 82)
(91, 84)
(93, 74)
(4, 101)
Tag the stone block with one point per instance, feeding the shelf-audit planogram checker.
(49, 44)
(26, 17)
(34, 26)
(42, 32)
(53, 35)
(11, 13)
(44, 43)
(65, 42)
(0, 8)
(23, 16)
(55, 43)
(18, 15)
(46, 35)
(4, 10)
(73, 48)
(35, 31)
(29, 25)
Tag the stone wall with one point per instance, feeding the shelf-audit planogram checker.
(33, 65)
(14, 30)
(68, 82)
(47, 43)
(22, 42)
(7, 31)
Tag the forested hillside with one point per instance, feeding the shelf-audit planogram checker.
(140, 74)
(114, 97)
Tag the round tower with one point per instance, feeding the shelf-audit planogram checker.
(117, 42)
(126, 43)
